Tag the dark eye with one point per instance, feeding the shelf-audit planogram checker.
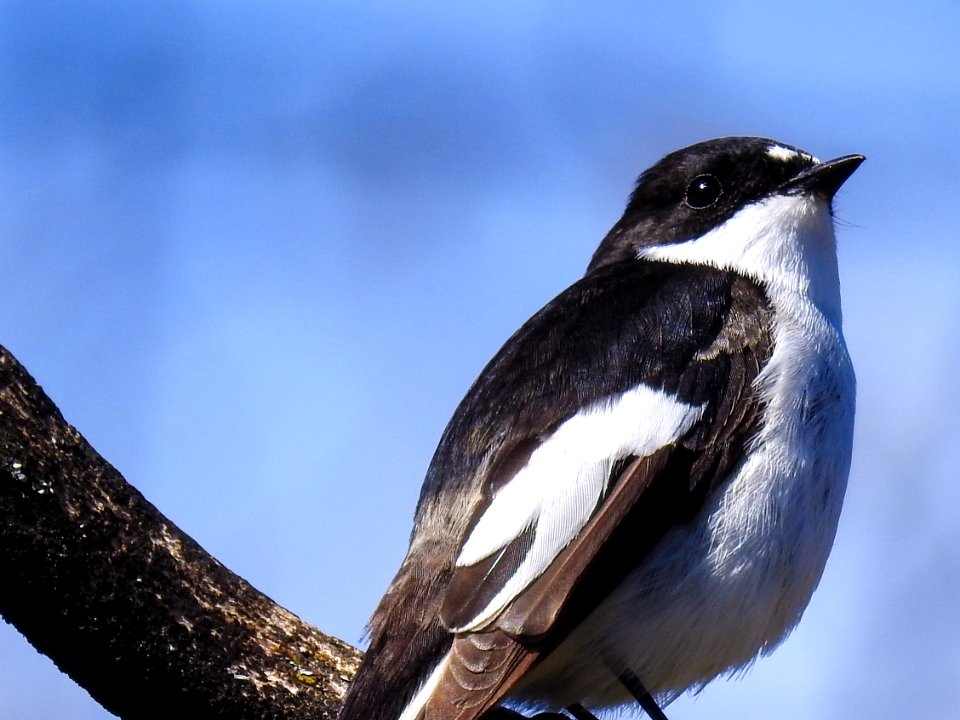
(703, 191)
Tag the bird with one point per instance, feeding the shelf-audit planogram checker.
(640, 491)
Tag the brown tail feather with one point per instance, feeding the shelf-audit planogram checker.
(480, 670)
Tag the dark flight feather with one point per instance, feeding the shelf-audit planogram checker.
(694, 332)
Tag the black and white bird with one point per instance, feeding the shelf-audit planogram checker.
(640, 491)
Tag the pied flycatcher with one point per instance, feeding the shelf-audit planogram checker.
(640, 491)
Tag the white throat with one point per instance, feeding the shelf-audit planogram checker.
(785, 241)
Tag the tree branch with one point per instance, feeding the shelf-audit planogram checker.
(128, 605)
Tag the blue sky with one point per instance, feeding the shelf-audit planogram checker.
(256, 252)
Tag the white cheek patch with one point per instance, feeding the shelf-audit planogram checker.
(785, 241)
(565, 478)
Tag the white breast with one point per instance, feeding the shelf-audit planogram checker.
(734, 581)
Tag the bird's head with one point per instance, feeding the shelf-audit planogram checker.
(747, 204)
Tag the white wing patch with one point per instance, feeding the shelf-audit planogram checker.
(558, 489)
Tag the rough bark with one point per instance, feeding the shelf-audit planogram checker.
(127, 604)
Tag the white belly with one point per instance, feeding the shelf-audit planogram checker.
(734, 581)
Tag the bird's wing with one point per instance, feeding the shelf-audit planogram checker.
(620, 394)
(482, 666)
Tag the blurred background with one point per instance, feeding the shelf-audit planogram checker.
(256, 252)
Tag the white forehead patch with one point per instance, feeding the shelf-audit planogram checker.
(785, 154)
(779, 152)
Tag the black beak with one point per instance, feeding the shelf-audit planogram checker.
(823, 179)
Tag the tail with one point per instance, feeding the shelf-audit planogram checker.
(407, 641)
(391, 674)
(470, 677)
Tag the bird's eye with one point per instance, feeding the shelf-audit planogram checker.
(703, 191)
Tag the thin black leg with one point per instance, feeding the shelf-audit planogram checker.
(632, 683)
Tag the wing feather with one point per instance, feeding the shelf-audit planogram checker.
(555, 494)
(693, 334)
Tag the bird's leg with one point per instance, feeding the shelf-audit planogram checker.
(632, 683)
